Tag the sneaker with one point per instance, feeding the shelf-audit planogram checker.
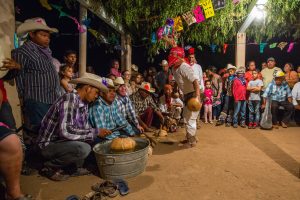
(235, 125)
(283, 125)
(250, 126)
(275, 126)
(80, 172)
(54, 175)
(227, 124)
(243, 125)
(219, 123)
(254, 125)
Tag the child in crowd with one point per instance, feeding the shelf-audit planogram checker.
(228, 107)
(208, 102)
(66, 74)
(254, 87)
(239, 94)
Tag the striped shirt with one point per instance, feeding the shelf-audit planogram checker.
(140, 104)
(103, 115)
(125, 107)
(67, 119)
(37, 80)
(278, 92)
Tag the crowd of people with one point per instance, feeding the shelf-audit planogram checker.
(66, 115)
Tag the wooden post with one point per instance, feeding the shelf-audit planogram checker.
(82, 43)
(7, 29)
(126, 52)
(240, 50)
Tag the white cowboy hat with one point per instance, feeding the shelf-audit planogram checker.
(108, 82)
(241, 70)
(92, 80)
(230, 66)
(34, 24)
(146, 86)
(134, 67)
(119, 81)
(163, 63)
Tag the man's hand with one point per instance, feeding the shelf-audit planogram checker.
(10, 64)
(141, 129)
(103, 132)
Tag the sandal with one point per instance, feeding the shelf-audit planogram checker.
(54, 175)
(73, 197)
(92, 196)
(107, 188)
(122, 186)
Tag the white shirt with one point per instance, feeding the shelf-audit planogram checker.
(184, 77)
(296, 93)
(163, 106)
(199, 74)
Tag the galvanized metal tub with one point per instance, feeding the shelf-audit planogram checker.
(121, 165)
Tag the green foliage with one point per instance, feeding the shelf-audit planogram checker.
(142, 17)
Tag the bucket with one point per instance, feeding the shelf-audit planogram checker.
(121, 165)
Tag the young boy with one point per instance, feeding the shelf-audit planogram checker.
(254, 87)
(239, 95)
(227, 110)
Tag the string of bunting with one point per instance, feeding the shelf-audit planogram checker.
(281, 45)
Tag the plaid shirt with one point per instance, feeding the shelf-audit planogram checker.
(278, 93)
(125, 107)
(37, 80)
(140, 104)
(102, 115)
(67, 119)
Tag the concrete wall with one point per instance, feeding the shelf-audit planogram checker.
(7, 29)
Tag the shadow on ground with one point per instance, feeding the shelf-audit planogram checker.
(274, 152)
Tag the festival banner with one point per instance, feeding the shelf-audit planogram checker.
(178, 24)
(45, 4)
(218, 4)
(291, 46)
(213, 48)
(198, 14)
(208, 8)
(281, 45)
(273, 45)
(225, 48)
(262, 47)
(189, 18)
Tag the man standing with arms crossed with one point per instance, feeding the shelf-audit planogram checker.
(188, 83)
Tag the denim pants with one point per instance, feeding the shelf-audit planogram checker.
(34, 113)
(239, 108)
(254, 106)
(59, 155)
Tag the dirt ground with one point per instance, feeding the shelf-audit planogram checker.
(228, 164)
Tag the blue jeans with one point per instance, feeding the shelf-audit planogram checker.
(217, 111)
(239, 108)
(34, 113)
(254, 110)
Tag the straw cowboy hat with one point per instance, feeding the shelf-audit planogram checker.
(92, 80)
(108, 82)
(146, 87)
(230, 66)
(134, 67)
(118, 82)
(34, 24)
(163, 63)
(241, 70)
(279, 74)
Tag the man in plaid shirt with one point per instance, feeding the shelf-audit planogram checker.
(65, 133)
(280, 95)
(105, 114)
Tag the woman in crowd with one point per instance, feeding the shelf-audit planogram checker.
(291, 76)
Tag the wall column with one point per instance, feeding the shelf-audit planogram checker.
(82, 42)
(240, 50)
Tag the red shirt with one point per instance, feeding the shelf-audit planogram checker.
(3, 90)
(238, 90)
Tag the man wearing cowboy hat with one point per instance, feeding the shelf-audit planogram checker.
(105, 114)
(145, 107)
(189, 85)
(125, 106)
(280, 95)
(37, 80)
(268, 72)
(163, 77)
(65, 132)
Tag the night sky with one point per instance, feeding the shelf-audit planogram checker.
(99, 56)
